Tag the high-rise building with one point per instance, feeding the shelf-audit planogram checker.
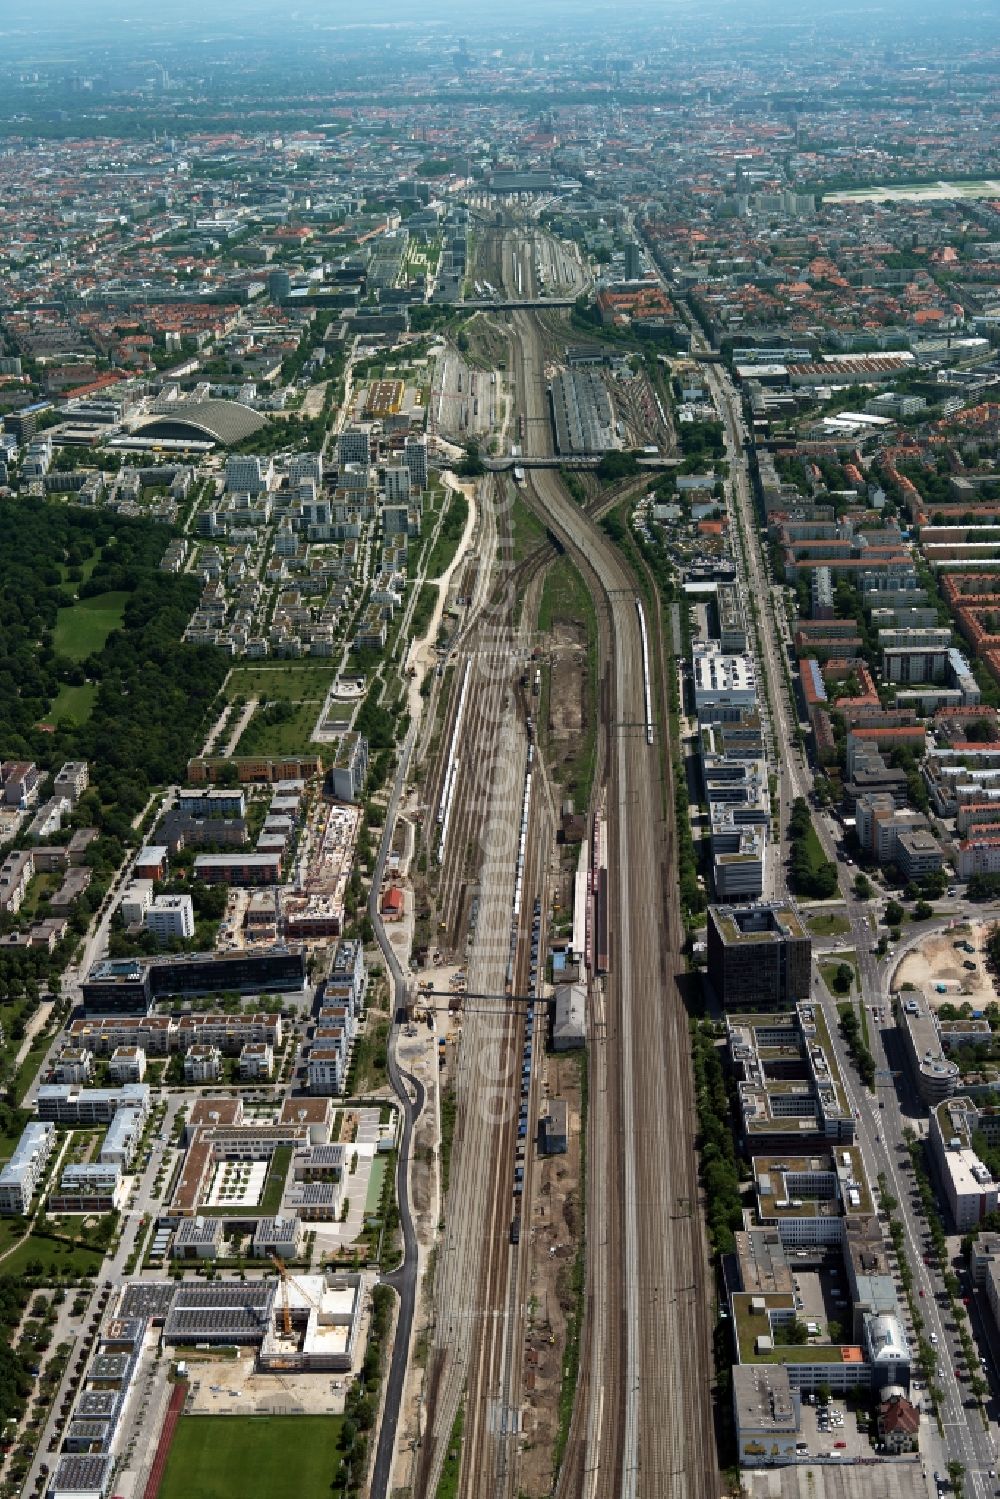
(353, 446)
(397, 485)
(305, 466)
(415, 458)
(246, 474)
(759, 956)
(279, 285)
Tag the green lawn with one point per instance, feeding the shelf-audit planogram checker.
(228, 1457)
(270, 1200)
(54, 1258)
(83, 627)
(828, 969)
(527, 531)
(829, 924)
(375, 1182)
(291, 680)
(74, 703)
(290, 737)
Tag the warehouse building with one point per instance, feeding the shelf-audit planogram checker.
(582, 413)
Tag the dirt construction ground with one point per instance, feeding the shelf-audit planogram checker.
(568, 646)
(553, 1236)
(938, 961)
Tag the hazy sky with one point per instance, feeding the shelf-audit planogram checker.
(32, 28)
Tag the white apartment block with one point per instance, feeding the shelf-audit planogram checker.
(127, 1065)
(326, 1071)
(202, 1064)
(171, 916)
(24, 1170)
(256, 1061)
(135, 902)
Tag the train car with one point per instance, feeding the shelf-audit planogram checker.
(601, 922)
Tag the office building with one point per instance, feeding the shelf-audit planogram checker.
(759, 956)
(130, 986)
(279, 285)
(725, 685)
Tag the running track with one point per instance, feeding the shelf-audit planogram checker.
(170, 1420)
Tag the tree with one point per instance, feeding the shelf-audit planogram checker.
(894, 913)
(922, 911)
(862, 887)
(843, 978)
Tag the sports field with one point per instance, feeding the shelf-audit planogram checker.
(229, 1457)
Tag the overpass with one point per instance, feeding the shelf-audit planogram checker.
(572, 461)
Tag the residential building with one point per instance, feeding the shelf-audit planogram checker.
(256, 1061)
(238, 869)
(326, 1070)
(247, 474)
(16, 874)
(415, 459)
(127, 1064)
(969, 1189)
(350, 767)
(171, 917)
(150, 862)
(202, 1064)
(23, 1172)
(72, 781)
(74, 1064)
(68, 1104)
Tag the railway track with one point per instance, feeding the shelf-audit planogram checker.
(648, 1430)
(642, 1419)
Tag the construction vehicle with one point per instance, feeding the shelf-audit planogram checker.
(286, 1278)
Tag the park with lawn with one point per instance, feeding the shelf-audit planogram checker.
(82, 628)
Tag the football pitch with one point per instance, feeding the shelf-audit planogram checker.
(229, 1457)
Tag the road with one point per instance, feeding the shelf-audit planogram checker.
(404, 1279)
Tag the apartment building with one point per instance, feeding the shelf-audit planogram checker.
(22, 1173)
